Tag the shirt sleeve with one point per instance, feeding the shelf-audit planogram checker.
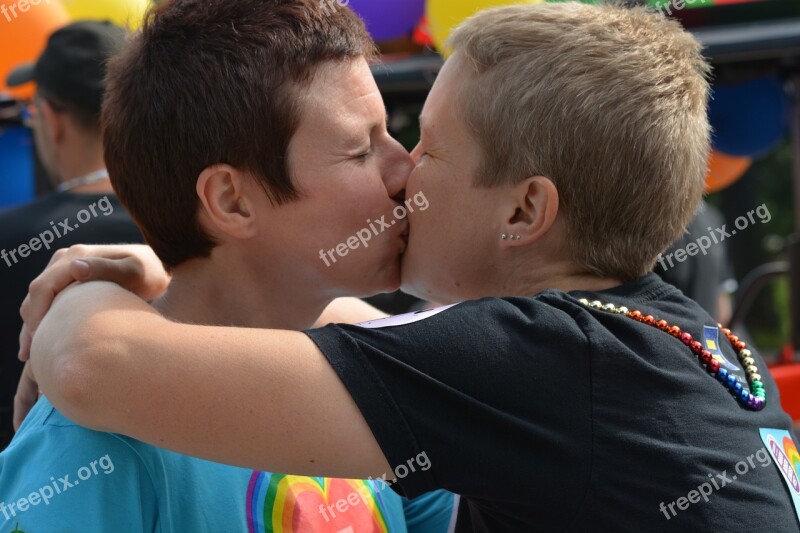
(461, 398)
(67, 478)
(433, 512)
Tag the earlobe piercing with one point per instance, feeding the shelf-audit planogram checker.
(510, 237)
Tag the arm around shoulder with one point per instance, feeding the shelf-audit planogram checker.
(262, 399)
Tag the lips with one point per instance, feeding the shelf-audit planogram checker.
(405, 233)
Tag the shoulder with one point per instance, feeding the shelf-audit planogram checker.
(21, 216)
(56, 475)
(43, 203)
(475, 335)
(48, 437)
(485, 316)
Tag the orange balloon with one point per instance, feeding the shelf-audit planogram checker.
(724, 170)
(25, 26)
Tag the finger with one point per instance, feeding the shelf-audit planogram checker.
(123, 272)
(25, 341)
(82, 251)
(128, 272)
(55, 278)
(42, 291)
(25, 336)
(26, 396)
(57, 255)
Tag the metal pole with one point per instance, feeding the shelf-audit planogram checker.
(794, 240)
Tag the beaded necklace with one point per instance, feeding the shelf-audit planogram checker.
(754, 399)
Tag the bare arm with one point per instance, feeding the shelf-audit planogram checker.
(262, 399)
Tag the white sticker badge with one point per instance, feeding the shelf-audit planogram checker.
(402, 320)
(784, 452)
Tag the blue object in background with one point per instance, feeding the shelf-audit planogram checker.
(16, 166)
(750, 119)
(386, 19)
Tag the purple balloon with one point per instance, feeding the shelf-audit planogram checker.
(387, 19)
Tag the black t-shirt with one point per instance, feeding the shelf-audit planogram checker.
(68, 219)
(546, 415)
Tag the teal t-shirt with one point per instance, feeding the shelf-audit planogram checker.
(56, 476)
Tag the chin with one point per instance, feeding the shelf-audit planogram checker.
(408, 274)
(413, 285)
(417, 282)
(385, 279)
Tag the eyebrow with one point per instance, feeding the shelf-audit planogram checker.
(356, 139)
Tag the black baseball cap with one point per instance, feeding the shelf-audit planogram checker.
(73, 65)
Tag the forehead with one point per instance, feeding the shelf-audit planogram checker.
(342, 96)
(441, 112)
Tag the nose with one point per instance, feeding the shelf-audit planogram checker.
(400, 169)
(416, 153)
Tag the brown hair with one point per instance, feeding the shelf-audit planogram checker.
(210, 82)
(607, 102)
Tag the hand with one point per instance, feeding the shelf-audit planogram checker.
(134, 267)
(27, 394)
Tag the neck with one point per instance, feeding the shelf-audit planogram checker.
(564, 276)
(205, 291)
(548, 266)
(85, 157)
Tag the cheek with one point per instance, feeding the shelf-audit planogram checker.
(347, 211)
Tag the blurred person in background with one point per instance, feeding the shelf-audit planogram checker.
(706, 278)
(65, 119)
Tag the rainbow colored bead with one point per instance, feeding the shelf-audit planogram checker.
(755, 399)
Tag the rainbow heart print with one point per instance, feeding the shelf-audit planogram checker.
(784, 453)
(278, 503)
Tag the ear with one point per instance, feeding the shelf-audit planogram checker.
(534, 206)
(224, 192)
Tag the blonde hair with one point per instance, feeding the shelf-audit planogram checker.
(610, 104)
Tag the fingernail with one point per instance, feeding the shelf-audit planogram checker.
(81, 268)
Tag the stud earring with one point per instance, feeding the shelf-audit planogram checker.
(503, 236)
